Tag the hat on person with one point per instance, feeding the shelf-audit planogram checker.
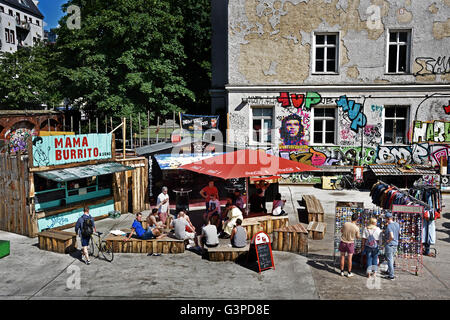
(388, 215)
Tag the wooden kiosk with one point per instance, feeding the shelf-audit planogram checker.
(48, 188)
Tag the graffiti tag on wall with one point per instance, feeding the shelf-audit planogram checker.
(299, 101)
(436, 131)
(447, 108)
(354, 112)
(430, 66)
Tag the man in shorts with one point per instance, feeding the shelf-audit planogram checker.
(150, 233)
(349, 232)
(180, 225)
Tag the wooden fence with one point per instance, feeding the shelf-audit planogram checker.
(15, 212)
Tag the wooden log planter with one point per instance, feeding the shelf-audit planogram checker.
(290, 238)
(225, 253)
(316, 230)
(314, 208)
(263, 223)
(163, 245)
(57, 241)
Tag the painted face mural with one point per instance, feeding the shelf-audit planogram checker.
(292, 130)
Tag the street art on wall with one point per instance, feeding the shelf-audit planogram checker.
(292, 131)
(435, 131)
(299, 101)
(447, 108)
(432, 66)
(354, 112)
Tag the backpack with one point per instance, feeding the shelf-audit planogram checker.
(87, 229)
(371, 242)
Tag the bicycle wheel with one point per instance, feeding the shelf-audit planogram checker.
(107, 252)
(339, 184)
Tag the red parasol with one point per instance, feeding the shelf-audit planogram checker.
(246, 163)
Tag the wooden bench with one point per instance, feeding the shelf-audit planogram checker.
(316, 230)
(226, 253)
(264, 223)
(314, 208)
(164, 245)
(290, 238)
(57, 241)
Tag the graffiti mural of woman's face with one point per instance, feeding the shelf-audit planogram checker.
(293, 127)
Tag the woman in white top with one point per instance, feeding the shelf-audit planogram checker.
(370, 245)
(278, 205)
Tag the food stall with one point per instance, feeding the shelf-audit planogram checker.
(62, 174)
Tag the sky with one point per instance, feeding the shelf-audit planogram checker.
(51, 9)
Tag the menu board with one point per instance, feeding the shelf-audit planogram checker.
(263, 251)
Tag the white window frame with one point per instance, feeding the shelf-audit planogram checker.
(408, 108)
(399, 43)
(314, 118)
(262, 132)
(326, 45)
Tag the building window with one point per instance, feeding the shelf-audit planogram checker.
(12, 37)
(37, 22)
(399, 51)
(324, 125)
(395, 120)
(7, 35)
(2, 9)
(11, 13)
(262, 124)
(326, 53)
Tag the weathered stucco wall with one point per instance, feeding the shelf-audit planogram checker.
(270, 41)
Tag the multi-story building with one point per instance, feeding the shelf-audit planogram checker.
(21, 24)
(335, 82)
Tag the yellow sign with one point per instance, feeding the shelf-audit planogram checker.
(55, 133)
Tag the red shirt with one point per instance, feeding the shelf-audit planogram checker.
(209, 191)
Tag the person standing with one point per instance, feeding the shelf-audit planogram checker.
(207, 191)
(162, 203)
(85, 227)
(349, 232)
(370, 240)
(391, 235)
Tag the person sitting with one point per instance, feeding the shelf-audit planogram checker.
(238, 200)
(209, 235)
(213, 208)
(238, 237)
(153, 219)
(233, 214)
(278, 205)
(143, 234)
(257, 202)
(179, 225)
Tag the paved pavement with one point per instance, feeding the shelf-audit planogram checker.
(29, 273)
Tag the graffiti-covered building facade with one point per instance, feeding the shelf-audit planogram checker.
(335, 82)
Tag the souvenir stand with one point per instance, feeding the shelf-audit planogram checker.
(406, 210)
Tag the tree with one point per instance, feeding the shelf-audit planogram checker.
(126, 58)
(25, 79)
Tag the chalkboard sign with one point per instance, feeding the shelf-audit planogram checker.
(263, 251)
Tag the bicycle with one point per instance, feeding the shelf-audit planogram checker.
(347, 182)
(102, 246)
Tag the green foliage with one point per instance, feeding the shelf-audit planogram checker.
(26, 79)
(129, 56)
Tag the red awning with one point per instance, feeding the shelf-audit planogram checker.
(246, 163)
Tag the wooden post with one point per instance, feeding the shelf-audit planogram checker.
(106, 124)
(79, 126)
(228, 128)
(157, 130)
(89, 124)
(71, 123)
(131, 132)
(96, 124)
(124, 135)
(148, 127)
(165, 130)
(112, 128)
(140, 135)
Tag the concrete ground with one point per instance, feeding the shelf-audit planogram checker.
(29, 273)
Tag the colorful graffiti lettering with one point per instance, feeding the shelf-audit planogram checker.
(354, 112)
(436, 131)
(299, 100)
(447, 108)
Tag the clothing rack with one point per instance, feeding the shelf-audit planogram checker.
(427, 206)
